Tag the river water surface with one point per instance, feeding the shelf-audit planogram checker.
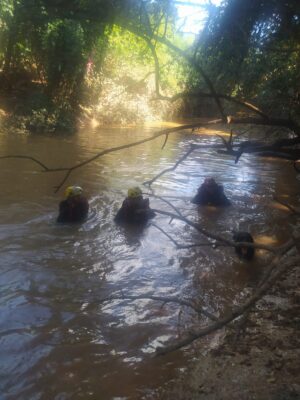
(58, 339)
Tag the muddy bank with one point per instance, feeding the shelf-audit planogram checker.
(263, 363)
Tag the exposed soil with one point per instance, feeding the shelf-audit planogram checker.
(263, 363)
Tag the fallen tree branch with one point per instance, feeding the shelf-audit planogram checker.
(280, 148)
(229, 98)
(214, 236)
(292, 209)
(69, 170)
(253, 148)
(186, 303)
(236, 312)
(286, 123)
(187, 246)
(45, 168)
(165, 201)
(181, 159)
(149, 183)
(144, 34)
(280, 253)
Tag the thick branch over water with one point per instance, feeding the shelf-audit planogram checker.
(281, 268)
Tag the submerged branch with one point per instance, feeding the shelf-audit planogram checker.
(185, 246)
(198, 310)
(214, 236)
(237, 311)
(288, 206)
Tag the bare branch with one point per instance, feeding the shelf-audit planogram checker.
(286, 123)
(229, 98)
(165, 142)
(149, 183)
(69, 170)
(249, 147)
(165, 201)
(214, 236)
(186, 246)
(235, 312)
(27, 158)
(292, 209)
(144, 34)
(63, 180)
(176, 300)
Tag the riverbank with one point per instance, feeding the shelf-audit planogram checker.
(263, 363)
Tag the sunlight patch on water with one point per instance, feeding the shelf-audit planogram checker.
(266, 240)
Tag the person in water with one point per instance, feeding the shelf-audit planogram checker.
(245, 252)
(211, 194)
(135, 209)
(75, 207)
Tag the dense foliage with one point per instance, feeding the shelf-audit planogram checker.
(252, 50)
(58, 55)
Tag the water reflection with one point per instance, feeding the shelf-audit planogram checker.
(58, 338)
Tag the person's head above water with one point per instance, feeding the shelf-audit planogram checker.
(134, 193)
(75, 207)
(210, 182)
(135, 209)
(72, 191)
(210, 193)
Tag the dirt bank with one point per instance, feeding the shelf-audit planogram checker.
(262, 364)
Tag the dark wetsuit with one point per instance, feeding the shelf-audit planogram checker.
(73, 209)
(135, 211)
(244, 252)
(211, 194)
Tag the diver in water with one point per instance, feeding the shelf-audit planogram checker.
(75, 207)
(135, 209)
(247, 253)
(211, 194)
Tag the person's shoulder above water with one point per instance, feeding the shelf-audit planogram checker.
(210, 193)
(75, 207)
(134, 209)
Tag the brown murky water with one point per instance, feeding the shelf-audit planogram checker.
(57, 340)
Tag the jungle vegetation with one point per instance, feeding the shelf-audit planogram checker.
(59, 59)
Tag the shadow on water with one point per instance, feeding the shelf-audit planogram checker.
(58, 338)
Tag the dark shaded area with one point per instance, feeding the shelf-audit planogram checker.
(211, 194)
(247, 253)
(251, 50)
(73, 210)
(134, 211)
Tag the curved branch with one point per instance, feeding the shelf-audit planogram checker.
(229, 98)
(69, 170)
(45, 168)
(214, 236)
(181, 302)
(236, 312)
(272, 122)
(182, 158)
(189, 246)
(149, 183)
(286, 123)
(163, 40)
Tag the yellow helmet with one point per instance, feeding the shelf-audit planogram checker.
(73, 191)
(134, 192)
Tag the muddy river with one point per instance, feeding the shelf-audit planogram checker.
(58, 339)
